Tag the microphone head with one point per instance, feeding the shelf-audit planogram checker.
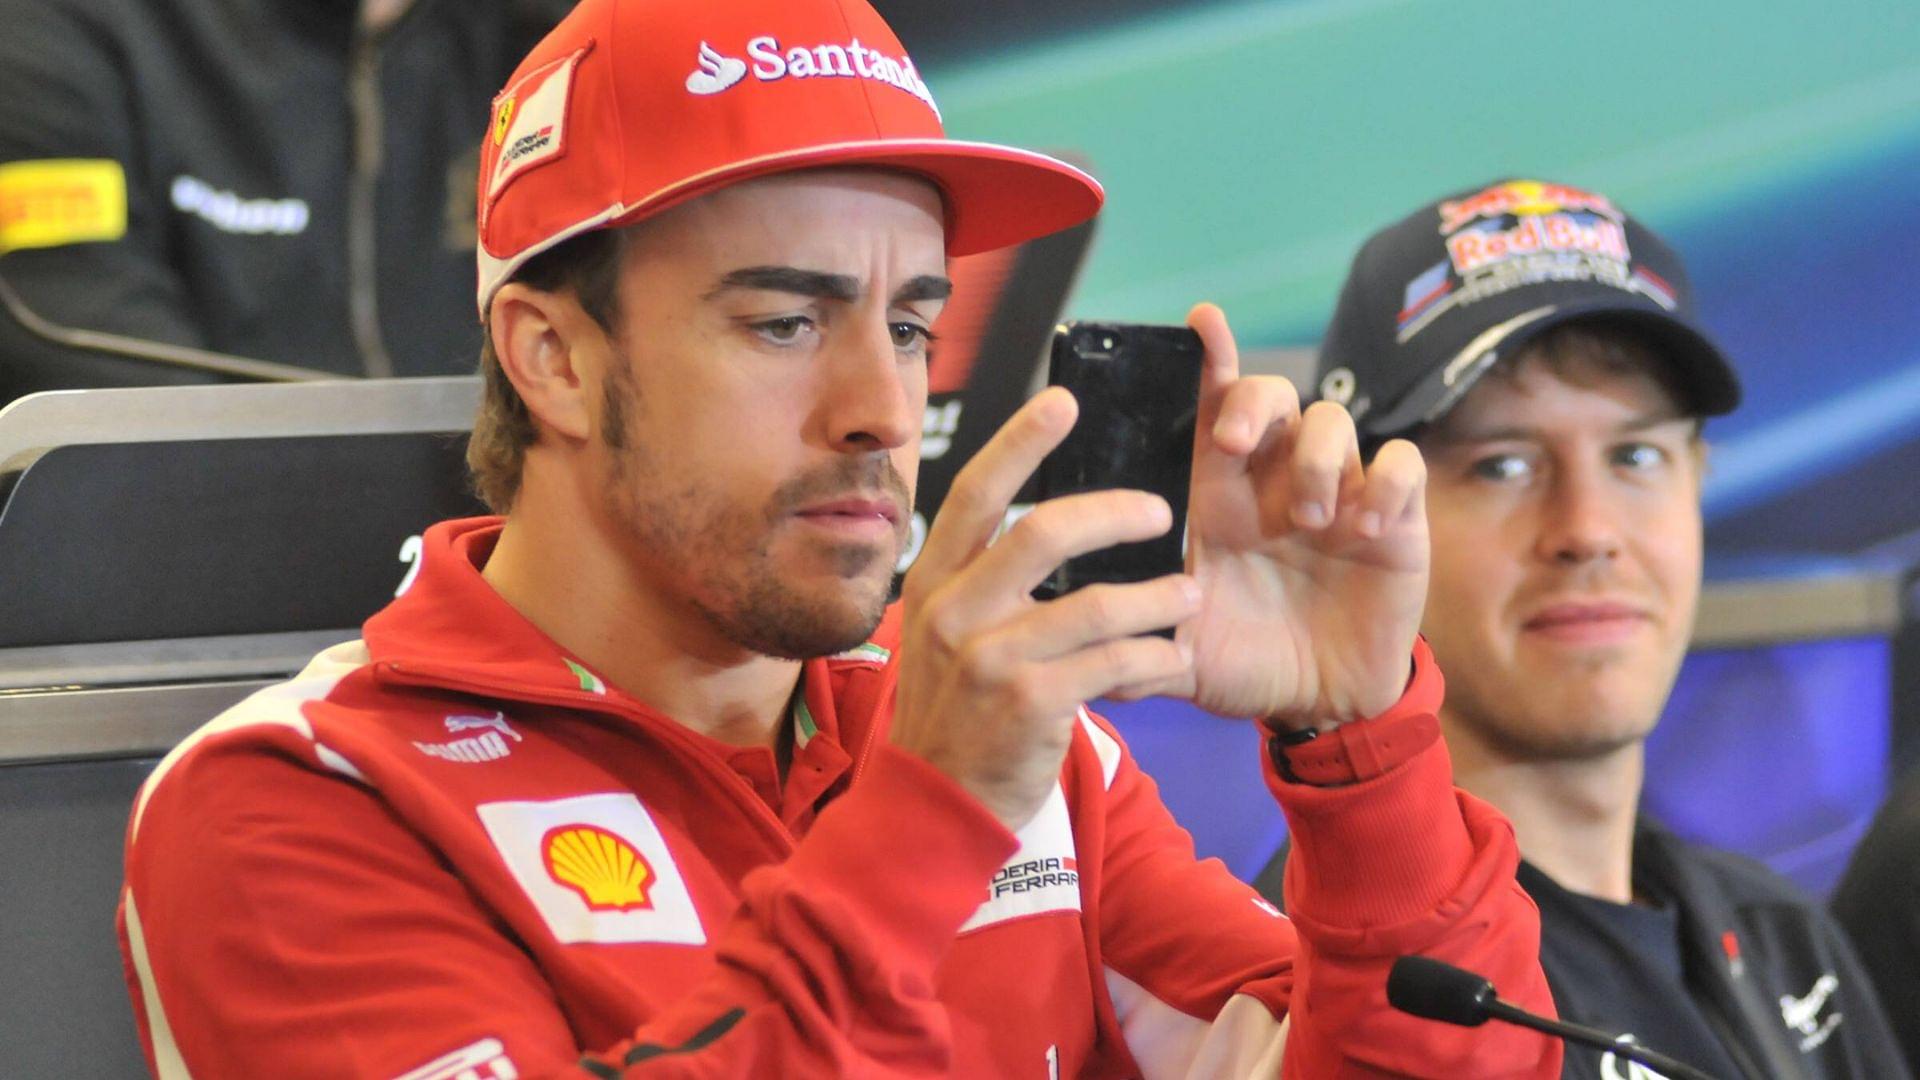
(1436, 990)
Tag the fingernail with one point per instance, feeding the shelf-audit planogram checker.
(1370, 523)
(1190, 589)
(1160, 513)
(1313, 515)
(1055, 406)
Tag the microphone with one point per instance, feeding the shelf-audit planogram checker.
(1436, 990)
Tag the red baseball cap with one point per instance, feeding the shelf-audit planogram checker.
(633, 106)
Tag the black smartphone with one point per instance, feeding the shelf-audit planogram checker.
(1139, 391)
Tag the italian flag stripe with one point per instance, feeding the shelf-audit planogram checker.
(804, 728)
(876, 654)
(588, 680)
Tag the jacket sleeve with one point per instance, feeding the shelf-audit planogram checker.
(1396, 861)
(279, 920)
(1208, 979)
(1873, 1045)
(71, 166)
(1878, 904)
(1198, 967)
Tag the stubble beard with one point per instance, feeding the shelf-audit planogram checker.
(1547, 728)
(721, 553)
(1528, 742)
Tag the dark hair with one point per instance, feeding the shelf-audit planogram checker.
(1612, 345)
(587, 265)
(1615, 346)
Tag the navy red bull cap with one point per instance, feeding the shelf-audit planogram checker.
(1437, 299)
(630, 107)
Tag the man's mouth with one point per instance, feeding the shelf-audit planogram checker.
(1587, 622)
(854, 517)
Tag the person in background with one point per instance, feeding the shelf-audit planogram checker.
(1539, 345)
(1878, 902)
(285, 180)
(647, 778)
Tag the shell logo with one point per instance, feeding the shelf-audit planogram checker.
(600, 866)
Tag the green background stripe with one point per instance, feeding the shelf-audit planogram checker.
(1248, 147)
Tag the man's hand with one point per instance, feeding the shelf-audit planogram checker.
(990, 678)
(1306, 578)
(1313, 569)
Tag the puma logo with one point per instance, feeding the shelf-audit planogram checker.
(1802, 1014)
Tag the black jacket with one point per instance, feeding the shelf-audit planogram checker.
(1878, 902)
(1785, 945)
(298, 188)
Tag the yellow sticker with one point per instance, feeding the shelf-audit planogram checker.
(61, 201)
(501, 118)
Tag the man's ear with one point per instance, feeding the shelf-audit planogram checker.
(551, 351)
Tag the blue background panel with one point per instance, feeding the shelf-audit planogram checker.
(1777, 752)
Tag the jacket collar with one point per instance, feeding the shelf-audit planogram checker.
(1741, 1007)
(450, 628)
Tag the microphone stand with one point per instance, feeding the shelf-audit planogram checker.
(1436, 990)
(1594, 1037)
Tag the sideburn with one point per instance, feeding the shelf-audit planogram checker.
(617, 398)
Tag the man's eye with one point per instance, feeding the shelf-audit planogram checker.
(1500, 467)
(784, 331)
(908, 335)
(1639, 456)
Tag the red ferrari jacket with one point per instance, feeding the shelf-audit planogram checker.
(452, 851)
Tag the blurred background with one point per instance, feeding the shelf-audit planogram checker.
(1249, 147)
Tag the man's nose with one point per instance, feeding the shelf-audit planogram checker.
(873, 397)
(1582, 519)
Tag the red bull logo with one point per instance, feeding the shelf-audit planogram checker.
(1472, 249)
(1522, 198)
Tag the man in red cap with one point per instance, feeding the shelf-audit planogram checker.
(645, 777)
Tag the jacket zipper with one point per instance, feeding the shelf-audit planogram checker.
(1730, 1042)
(889, 680)
(585, 702)
(1726, 1005)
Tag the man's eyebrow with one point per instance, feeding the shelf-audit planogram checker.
(1458, 435)
(924, 287)
(1656, 419)
(790, 279)
(1444, 436)
(841, 287)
